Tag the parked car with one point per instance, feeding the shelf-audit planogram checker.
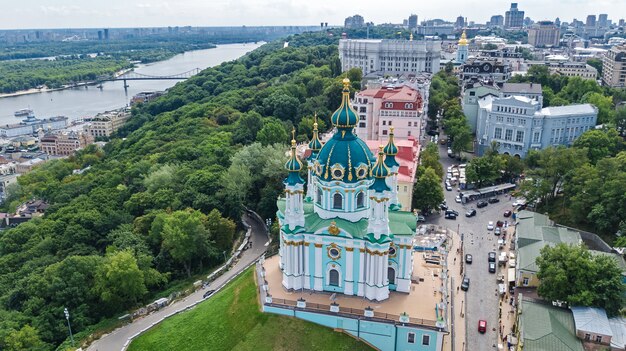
(443, 206)
(421, 218)
(470, 213)
(450, 215)
(468, 258)
(507, 213)
(492, 267)
(482, 326)
(493, 200)
(490, 225)
(448, 186)
(208, 293)
(482, 203)
(499, 224)
(457, 199)
(465, 284)
(456, 213)
(491, 256)
(432, 132)
(497, 231)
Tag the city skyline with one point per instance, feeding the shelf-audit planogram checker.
(38, 14)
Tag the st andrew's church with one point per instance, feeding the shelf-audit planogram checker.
(347, 234)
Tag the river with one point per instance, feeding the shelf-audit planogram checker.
(85, 102)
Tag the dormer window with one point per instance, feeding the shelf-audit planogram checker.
(408, 106)
(388, 104)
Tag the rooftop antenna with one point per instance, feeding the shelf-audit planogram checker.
(368, 30)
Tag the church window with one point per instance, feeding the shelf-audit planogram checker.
(361, 171)
(391, 275)
(337, 201)
(333, 277)
(392, 251)
(337, 171)
(425, 339)
(410, 338)
(360, 200)
(319, 196)
(334, 253)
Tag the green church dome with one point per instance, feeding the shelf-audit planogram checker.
(293, 165)
(315, 145)
(345, 116)
(345, 158)
(380, 172)
(391, 150)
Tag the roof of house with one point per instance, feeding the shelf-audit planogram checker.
(535, 231)
(618, 328)
(521, 88)
(400, 222)
(406, 157)
(558, 111)
(546, 327)
(591, 320)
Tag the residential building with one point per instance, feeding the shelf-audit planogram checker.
(393, 57)
(412, 22)
(514, 18)
(592, 325)
(541, 327)
(105, 124)
(614, 67)
(460, 22)
(31, 124)
(496, 21)
(355, 21)
(471, 95)
(518, 124)
(568, 69)
(483, 69)
(145, 96)
(603, 21)
(591, 21)
(64, 144)
(27, 166)
(436, 27)
(381, 108)
(407, 158)
(543, 33)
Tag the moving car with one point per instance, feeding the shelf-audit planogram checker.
(450, 215)
(493, 200)
(481, 204)
(492, 267)
(482, 326)
(490, 225)
(456, 213)
(470, 213)
(208, 293)
(507, 213)
(492, 256)
(457, 199)
(465, 284)
(468, 258)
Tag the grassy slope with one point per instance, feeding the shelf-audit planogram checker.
(231, 320)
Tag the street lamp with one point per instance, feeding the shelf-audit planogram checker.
(67, 317)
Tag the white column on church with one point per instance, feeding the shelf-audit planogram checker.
(349, 280)
(307, 269)
(362, 272)
(385, 269)
(318, 267)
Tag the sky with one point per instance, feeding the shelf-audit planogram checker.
(24, 14)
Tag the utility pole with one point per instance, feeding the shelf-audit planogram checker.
(69, 327)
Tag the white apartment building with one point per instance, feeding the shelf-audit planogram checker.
(390, 56)
(569, 69)
(381, 108)
(104, 124)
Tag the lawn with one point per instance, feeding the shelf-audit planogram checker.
(231, 320)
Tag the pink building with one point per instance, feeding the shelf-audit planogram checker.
(381, 108)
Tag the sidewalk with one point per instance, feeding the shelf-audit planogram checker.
(457, 322)
(507, 310)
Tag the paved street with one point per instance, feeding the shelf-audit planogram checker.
(482, 300)
(115, 341)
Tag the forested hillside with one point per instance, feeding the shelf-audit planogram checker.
(160, 202)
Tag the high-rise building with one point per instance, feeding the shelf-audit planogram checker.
(412, 22)
(99, 35)
(514, 18)
(614, 67)
(591, 21)
(460, 22)
(603, 20)
(543, 33)
(106, 34)
(496, 21)
(355, 21)
(390, 56)
(621, 22)
(557, 22)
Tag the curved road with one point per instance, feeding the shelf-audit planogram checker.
(115, 341)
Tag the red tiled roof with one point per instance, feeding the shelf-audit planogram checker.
(398, 96)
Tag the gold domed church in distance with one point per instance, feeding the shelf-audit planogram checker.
(346, 258)
(345, 236)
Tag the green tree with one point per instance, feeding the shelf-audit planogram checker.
(572, 274)
(483, 170)
(620, 121)
(221, 230)
(597, 64)
(462, 141)
(272, 132)
(606, 111)
(26, 338)
(247, 128)
(119, 282)
(599, 143)
(429, 158)
(427, 192)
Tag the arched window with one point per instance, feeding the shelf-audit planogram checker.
(333, 277)
(337, 201)
(391, 275)
(360, 200)
(319, 196)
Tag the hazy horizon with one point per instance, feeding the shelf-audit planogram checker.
(39, 14)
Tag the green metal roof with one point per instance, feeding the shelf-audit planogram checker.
(548, 328)
(347, 152)
(400, 222)
(345, 116)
